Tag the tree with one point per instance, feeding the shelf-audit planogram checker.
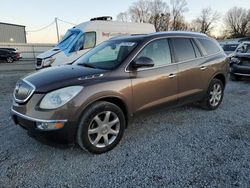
(178, 7)
(123, 17)
(157, 12)
(206, 21)
(160, 15)
(237, 22)
(139, 11)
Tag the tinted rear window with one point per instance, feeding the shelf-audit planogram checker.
(184, 50)
(210, 46)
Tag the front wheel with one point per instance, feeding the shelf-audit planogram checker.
(101, 128)
(214, 95)
(9, 60)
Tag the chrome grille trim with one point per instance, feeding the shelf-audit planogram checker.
(28, 97)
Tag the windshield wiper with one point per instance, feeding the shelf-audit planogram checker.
(87, 65)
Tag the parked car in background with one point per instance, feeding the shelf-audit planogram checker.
(93, 100)
(9, 55)
(229, 48)
(85, 36)
(240, 62)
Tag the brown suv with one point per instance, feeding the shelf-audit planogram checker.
(92, 100)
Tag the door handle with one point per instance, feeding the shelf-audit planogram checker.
(172, 75)
(203, 68)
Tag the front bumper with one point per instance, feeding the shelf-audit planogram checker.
(240, 70)
(63, 135)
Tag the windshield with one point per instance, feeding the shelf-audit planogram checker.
(107, 55)
(243, 48)
(230, 47)
(68, 39)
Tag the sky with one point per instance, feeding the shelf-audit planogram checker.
(35, 14)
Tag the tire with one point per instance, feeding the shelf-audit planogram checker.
(214, 95)
(101, 127)
(235, 77)
(9, 60)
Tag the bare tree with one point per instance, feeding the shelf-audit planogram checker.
(237, 22)
(206, 21)
(123, 17)
(178, 7)
(139, 11)
(161, 21)
(157, 12)
(160, 15)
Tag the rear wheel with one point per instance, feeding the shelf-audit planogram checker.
(9, 60)
(101, 128)
(214, 95)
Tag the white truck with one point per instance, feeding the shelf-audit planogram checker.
(81, 38)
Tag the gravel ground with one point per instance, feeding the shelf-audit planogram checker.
(182, 147)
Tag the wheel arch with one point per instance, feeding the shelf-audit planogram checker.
(220, 77)
(114, 99)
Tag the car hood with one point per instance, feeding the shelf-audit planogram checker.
(49, 53)
(53, 78)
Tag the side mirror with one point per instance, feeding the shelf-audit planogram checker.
(143, 62)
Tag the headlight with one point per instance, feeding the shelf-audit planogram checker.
(48, 62)
(58, 98)
(235, 60)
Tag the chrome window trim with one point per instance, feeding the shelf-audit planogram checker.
(37, 120)
(31, 93)
(168, 37)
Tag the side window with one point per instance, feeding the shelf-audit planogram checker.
(210, 46)
(184, 49)
(158, 51)
(90, 40)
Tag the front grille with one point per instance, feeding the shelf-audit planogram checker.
(23, 91)
(245, 62)
(39, 62)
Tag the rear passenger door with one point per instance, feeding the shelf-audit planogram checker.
(189, 62)
(156, 85)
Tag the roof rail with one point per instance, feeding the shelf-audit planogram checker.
(103, 18)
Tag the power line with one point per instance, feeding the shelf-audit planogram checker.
(45, 27)
(66, 22)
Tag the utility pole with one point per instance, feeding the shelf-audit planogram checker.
(57, 30)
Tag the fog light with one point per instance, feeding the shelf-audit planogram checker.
(49, 126)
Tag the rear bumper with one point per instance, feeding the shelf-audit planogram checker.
(65, 135)
(240, 70)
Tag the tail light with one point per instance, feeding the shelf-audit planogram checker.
(18, 55)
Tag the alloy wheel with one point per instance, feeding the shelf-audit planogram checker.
(9, 60)
(215, 95)
(104, 129)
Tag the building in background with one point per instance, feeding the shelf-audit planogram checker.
(12, 33)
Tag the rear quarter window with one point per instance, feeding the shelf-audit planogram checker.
(210, 46)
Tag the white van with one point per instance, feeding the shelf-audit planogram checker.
(81, 38)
